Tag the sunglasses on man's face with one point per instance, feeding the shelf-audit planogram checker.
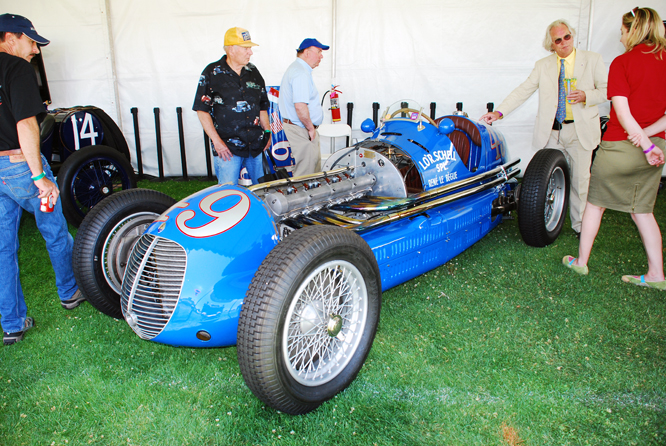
(560, 39)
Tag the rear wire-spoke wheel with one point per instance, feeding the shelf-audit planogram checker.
(544, 198)
(309, 318)
(554, 209)
(90, 175)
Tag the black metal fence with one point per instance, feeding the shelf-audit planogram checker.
(207, 148)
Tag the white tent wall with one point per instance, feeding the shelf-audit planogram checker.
(78, 61)
(607, 17)
(162, 47)
(447, 51)
(119, 54)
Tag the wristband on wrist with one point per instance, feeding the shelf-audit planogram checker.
(500, 113)
(38, 177)
(650, 149)
(267, 130)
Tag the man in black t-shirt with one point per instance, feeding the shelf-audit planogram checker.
(232, 105)
(26, 178)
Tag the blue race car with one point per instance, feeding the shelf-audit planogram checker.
(292, 271)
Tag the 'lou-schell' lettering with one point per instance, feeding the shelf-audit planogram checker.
(437, 156)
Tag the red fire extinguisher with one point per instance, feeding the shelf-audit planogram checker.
(335, 105)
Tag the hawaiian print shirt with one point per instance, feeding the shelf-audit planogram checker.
(234, 102)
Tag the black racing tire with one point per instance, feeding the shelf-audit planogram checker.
(104, 242)
(289, 296)
(113, 137)
(544, 198)
(88, 176)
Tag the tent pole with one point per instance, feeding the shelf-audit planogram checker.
(112, 57)
(334, 5)
(590, 25)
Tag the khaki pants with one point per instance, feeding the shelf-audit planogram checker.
(306, 153)
(579, 161)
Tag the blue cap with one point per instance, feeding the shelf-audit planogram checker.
(14, 23)
(307, 43)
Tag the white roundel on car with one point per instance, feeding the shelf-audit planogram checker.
(222, 220)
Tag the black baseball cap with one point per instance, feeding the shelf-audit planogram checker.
(14, 23)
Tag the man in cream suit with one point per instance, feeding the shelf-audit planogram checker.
(570, 125)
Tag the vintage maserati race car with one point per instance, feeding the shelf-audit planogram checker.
(292, 271)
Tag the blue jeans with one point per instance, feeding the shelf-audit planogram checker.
(229, 171)
(18, 192)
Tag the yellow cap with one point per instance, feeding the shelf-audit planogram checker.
(238, 36)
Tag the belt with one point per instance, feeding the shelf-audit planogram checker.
(11, 152)
(558, 126)
(287, 121)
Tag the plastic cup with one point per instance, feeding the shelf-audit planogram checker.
(570, 85)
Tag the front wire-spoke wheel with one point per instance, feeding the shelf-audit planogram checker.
(325, 323)
(309, 318)
(119, 243)
(104, 241)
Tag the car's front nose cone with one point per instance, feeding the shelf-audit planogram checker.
(187, 276)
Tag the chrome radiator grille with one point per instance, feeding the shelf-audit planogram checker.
(153, 279)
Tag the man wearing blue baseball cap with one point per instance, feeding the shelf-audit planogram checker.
(16, 24)
(26, 178)
(300, 107)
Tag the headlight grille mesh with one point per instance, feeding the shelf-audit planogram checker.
(153, 279)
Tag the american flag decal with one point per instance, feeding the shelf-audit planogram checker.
(279, 145)
(276, 124)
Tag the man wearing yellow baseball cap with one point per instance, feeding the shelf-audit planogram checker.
(232, 105)
(238, 36)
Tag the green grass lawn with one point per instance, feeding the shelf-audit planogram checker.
(500, 346)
